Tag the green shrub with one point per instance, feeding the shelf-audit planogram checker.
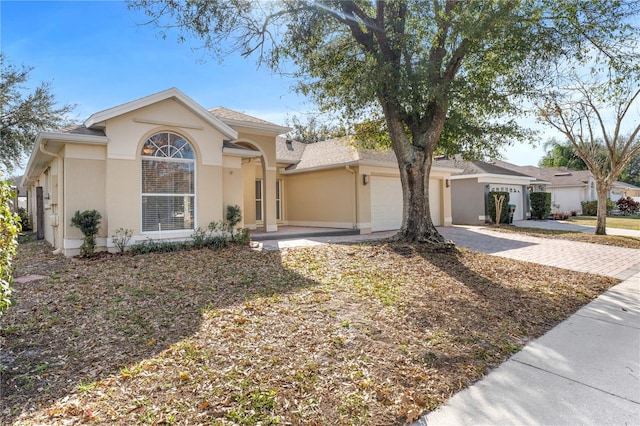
(590, 208)
(24, 218)
(491, 206)
(88, 222)
(9, 230)
(121, 238)
(540, 205)
(234, 216)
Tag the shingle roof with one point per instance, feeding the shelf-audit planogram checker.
(558, 176)
(480, 168)
(229, 114)
(289, 151)
(332, 152)
(80, 129)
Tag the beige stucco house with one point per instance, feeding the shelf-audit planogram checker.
(163, 166)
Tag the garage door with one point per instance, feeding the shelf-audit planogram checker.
(386, 203)
(515, 198)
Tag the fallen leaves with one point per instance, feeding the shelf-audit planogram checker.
(341, 334)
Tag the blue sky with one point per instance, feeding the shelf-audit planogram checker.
(97, 54)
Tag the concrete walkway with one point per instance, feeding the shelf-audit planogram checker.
(585, 371)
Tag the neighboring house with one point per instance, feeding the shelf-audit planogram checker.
(570, 188)
(22, 193)
(471, 186)
(163, 166)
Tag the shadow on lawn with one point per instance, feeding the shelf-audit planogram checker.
(91, 318)
(491, 310)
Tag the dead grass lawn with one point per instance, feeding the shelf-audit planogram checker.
(372, 334)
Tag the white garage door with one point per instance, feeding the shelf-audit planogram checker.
(515, 198)
(386, 203)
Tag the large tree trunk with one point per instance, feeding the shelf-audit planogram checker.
(601, 223)
(417, 225)
(414, 163)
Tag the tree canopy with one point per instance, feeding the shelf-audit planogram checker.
(436, 74)
(24, 113)
(561, 154)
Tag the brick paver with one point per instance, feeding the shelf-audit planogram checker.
(576, 256)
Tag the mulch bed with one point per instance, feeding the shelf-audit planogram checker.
(375, 334)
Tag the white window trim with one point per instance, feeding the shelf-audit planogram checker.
(174, 233)
(261, 199)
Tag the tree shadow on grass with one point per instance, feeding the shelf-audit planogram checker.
(491, 306)
(91, 318)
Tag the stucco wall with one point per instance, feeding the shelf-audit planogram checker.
(84, 190)
(567, 199)
(320, 198)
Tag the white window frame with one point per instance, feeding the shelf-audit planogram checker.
(279, 198)
(143, 156)
(259, 184)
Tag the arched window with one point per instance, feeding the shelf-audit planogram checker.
(168, 183)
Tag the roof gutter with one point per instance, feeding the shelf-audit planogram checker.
(58, 229)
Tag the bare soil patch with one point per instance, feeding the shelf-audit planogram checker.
(374, 334)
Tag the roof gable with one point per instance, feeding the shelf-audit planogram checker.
(97, 120)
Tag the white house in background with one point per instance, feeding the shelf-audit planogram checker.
(570, 188)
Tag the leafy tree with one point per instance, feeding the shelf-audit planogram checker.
(632, 173)
(438, 72)
(313, 130)
(561, 155)
(23, 115)
(9, 229)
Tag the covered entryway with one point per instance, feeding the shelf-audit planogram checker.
(386, 203)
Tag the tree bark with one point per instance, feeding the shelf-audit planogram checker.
(417, 225)
(601, 222)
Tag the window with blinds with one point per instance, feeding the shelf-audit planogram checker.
(168, 183)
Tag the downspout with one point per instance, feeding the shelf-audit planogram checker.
(355, 196)
(60, 199)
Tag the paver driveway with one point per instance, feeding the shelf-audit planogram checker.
(582, 257)
(612, 261)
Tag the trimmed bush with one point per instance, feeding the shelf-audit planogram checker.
(540, 205)
(491, 206)
(88, 222)
(590, 208)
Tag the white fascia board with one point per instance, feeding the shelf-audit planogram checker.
(241, 152)
(323, 167)
(98, 118)
(492, 178)
(267, 129)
